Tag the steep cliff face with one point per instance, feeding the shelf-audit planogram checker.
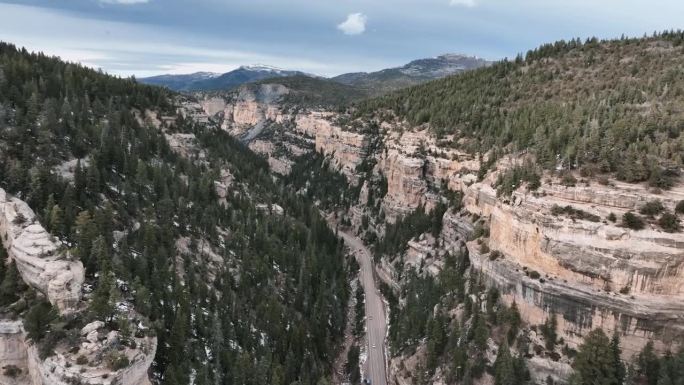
(594, 274)
(281, 134)
(418, 168)
(38, 258)
(591, 274)
(246, 108)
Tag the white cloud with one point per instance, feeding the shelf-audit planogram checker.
(463, 3)
(126, 2)
(354, 25)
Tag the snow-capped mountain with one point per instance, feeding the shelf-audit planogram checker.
(208, 81)
(415, 72)
(373, 83)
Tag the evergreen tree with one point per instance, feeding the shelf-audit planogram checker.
(549, 329)
(38, 319)
(595, 362)
(12, 285)
(648, 364)
(103, 301)
(352, 365)
(56, 221)
(3, 263)
(504, 373)
(620, 371)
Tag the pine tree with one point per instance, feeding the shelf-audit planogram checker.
(12, 285)
(648, 364)
(56, 221)
(503, 367)
(549, 329)
(514, 321)
(217, 348)
(3, 261)
(85, 235)
(595, 362)
(102, 303)
(37, 320)
(620, 370)
(47, 213)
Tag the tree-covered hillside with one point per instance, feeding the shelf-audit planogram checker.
(601, 106)
(250, 298)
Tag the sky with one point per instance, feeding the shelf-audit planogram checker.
(324, 37)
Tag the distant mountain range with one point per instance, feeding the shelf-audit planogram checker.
(373, 83)
(209, 81)
(415, 72)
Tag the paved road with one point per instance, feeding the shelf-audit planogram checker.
(375, 312)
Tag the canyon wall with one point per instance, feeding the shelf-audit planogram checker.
(591, 274)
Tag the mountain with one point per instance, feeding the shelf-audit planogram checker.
(374, 83)
(415, 72)
(207, 81)
(178, 82)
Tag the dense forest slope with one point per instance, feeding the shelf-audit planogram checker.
(187, 245)
(601, 106)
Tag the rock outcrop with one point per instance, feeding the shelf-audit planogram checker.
(38, 258)
(64, 368)
(89, 364)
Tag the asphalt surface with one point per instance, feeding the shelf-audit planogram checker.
(375, 312)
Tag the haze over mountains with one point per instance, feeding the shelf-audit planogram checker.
(374, 83)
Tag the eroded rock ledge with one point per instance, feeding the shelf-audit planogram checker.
(593, 274)
(38, 258)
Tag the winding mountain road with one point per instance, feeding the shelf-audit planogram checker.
(375, 312)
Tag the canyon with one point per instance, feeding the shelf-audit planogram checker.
(589, 273)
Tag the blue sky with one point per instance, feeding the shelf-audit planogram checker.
(326, 37)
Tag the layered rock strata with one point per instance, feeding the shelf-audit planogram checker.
(593, 274)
